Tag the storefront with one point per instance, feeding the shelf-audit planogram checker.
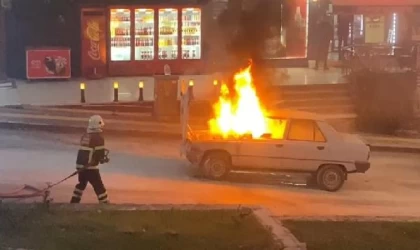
(141, 40)
(386, 22)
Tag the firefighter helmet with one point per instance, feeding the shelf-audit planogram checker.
(96, 122)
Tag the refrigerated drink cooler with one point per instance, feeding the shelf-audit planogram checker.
(144, 39)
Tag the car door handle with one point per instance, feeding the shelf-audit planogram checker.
(320, 147)
(279, 145)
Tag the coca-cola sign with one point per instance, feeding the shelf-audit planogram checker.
(93, 42)
(93, 33)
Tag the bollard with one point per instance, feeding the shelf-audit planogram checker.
(82, 93)
(116, 91)
(216, 89)
(141, 86)
(191, 89)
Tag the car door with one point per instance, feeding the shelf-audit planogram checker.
(266, 152)
(305, 147)
(260, 154)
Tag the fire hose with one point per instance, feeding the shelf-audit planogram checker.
(45, 192)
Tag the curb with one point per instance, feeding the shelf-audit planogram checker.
(79, 130)
(14, 125)
(394, 149)
(282, 236)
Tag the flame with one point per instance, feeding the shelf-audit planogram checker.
(235, 117)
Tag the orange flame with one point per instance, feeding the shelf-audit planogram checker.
(244, 115)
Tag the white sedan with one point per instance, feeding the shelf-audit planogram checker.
(305, 143)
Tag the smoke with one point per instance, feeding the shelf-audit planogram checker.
(245, 31)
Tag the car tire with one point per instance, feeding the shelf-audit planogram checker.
(216, 165)
(331, 177)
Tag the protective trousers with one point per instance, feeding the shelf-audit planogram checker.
(93, 177)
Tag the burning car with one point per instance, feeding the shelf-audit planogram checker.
(245, 136)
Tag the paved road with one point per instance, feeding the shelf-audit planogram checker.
(151, 171)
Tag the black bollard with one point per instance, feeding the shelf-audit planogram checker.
(191, 89)
(82, 93)
(141, 86)
(116, 91)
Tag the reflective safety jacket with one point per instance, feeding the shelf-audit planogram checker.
(91, 152)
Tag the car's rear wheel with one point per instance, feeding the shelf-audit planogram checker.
(331, 177)
(216, 165)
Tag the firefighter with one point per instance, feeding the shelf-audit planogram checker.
(92, 152)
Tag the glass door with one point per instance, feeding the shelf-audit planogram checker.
(191, 33)
(144, 34)
(168, 34)
(120, 32)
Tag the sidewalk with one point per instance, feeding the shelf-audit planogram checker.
(101, 91)
(73, 121)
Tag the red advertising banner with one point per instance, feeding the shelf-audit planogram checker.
(48, 63)
(93, 43)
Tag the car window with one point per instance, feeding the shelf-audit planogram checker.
(301, 130)
(277, 128)
(319, 136)
(305, 130)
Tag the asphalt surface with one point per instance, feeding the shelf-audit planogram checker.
(150, 171)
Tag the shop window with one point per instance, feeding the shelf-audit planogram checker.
(120, 32)
(168, 34)
(289, 40)
(144, 34)
(191, 33)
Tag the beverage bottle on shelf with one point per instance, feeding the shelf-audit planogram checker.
(193, 55)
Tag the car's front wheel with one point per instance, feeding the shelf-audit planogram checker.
(216, 165)
(331, 177)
